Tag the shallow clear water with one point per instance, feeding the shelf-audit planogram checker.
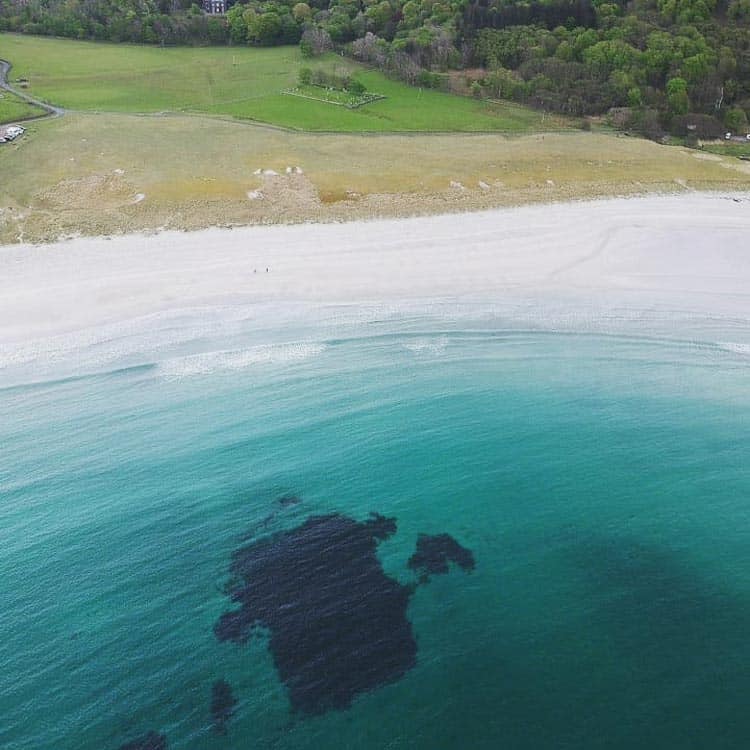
(600, 480)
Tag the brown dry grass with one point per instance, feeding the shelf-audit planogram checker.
(81, 174)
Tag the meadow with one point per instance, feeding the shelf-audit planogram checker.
(242, 82)
(13, 108)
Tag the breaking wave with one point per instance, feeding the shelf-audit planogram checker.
(211, 362)
(734, 347)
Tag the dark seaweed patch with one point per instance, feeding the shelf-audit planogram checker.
(222, 705)
(337, 623)
(435, 552)
(659, 612)
(149, 741)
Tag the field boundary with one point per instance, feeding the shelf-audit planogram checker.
(365, 98)
(246, 121)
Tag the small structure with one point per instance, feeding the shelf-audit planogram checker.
(215, 6)
(9, 133)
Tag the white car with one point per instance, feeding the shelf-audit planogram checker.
(13, 131)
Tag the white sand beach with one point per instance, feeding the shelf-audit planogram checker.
(683, 256)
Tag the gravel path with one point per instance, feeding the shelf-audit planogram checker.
(50, 109)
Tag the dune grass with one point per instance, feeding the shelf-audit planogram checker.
(241, 82)
(13, 108)
(83, 173)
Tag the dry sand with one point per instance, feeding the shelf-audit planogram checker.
(688, 253)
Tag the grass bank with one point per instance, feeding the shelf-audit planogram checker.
(730, 149)
(111, 173)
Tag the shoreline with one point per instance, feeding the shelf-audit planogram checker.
(687, 251)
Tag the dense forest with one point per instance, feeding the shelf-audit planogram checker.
(655, 65)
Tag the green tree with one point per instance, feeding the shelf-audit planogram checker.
(216, 30)
(736, 120)
(605, 57)
(686, 11)
(379, 15)
(267, 29)
(251, 18)
(635, 98)
(677, 96)
(698, 67)
(301, 12)
(237, 24)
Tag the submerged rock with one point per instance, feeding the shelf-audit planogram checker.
(337, 623)
(222, 705)
(435, 552)
(149, 741)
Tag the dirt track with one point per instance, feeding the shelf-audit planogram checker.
(50, 109)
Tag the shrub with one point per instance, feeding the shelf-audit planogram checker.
(736, 120)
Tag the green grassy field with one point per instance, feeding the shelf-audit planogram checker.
(730, 149)
(241, 82)
(13, 109)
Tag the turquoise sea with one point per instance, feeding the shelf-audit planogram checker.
(599, 476)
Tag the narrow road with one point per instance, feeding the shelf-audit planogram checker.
(50, 109)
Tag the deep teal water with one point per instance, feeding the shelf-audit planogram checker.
(602, 483)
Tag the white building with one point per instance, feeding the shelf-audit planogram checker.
(215, 6)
